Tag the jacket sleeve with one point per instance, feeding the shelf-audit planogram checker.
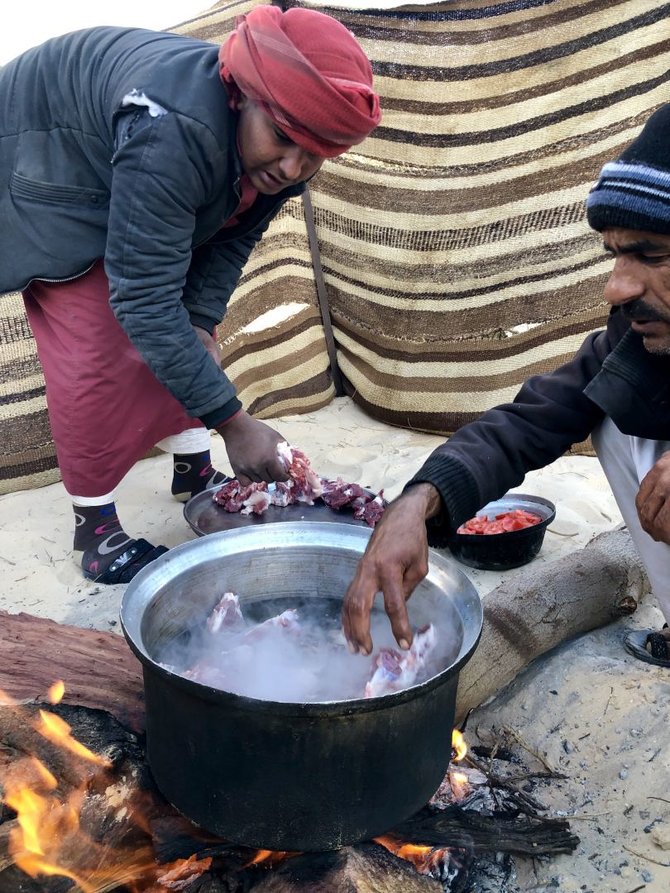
(213, 275)
(485, 458)
(162, 174)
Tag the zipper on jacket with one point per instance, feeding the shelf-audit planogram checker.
(58, 281)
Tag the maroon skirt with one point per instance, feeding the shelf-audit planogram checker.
(105, 406)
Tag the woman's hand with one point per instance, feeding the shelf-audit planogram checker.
(653, 500)
(394, 563)
(252, 449)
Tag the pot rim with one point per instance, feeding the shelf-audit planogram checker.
(143, 586)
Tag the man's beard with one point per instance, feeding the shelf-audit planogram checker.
(639, 311)
(659, 350)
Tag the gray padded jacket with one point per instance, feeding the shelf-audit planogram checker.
(120, 144)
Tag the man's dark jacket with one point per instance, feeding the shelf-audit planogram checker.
(612, 375)
(119, 143)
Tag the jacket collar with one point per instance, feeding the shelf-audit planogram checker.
(633, 389)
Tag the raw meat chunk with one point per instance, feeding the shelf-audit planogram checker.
(303, 486)
(394, 671)
(306, 482)
(226, 614)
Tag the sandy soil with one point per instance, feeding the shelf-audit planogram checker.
(595, 713)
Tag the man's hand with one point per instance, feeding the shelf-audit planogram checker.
(210, 343)
(252, 449)
(395, 562)
(653, 501)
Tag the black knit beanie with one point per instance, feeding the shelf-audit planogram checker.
(634, 191)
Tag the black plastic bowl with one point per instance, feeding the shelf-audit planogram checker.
(502, 551)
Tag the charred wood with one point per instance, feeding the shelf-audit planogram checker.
(366, 868)
(457, 827)
(15, 881)
(111, 796)
(174, 837)
(19, 738)
(96, 729)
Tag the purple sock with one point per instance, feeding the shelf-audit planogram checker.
(99, 535)
(194, 473)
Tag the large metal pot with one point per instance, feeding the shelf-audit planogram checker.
(291, 776)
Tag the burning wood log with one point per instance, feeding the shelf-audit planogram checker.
(357, 869)
(126, 834)
(482, 833)
(77, 797)
(20, 740)
(547, 604)
(6, 828)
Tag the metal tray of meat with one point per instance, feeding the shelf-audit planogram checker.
(204, 516)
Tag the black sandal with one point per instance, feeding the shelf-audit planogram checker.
(649, 646)
(128, 563)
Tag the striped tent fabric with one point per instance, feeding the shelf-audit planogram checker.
(28, 456)
(272, 338)
(454, 245)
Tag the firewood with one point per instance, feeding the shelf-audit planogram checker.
(6, 828)
(456, 827)
(174, 837)
(546, 604)
(107, 834)
(15, 881)
(131, 835)
(98, 668)
(366, 868)
(20, 739)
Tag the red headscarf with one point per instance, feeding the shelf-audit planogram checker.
(309, 74)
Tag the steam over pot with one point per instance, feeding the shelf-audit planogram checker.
(291, 776)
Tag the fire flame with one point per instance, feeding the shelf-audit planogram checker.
(268, 858)
(56, 730)
(56, 692)
(412, 852)
(41, 822)
(458, 746)
(460, 785)
(47, 838)
(183, 871)
(458, 781)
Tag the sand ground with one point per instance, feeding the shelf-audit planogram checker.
(597, 714)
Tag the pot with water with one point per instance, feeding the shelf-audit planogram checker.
(299, 760)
